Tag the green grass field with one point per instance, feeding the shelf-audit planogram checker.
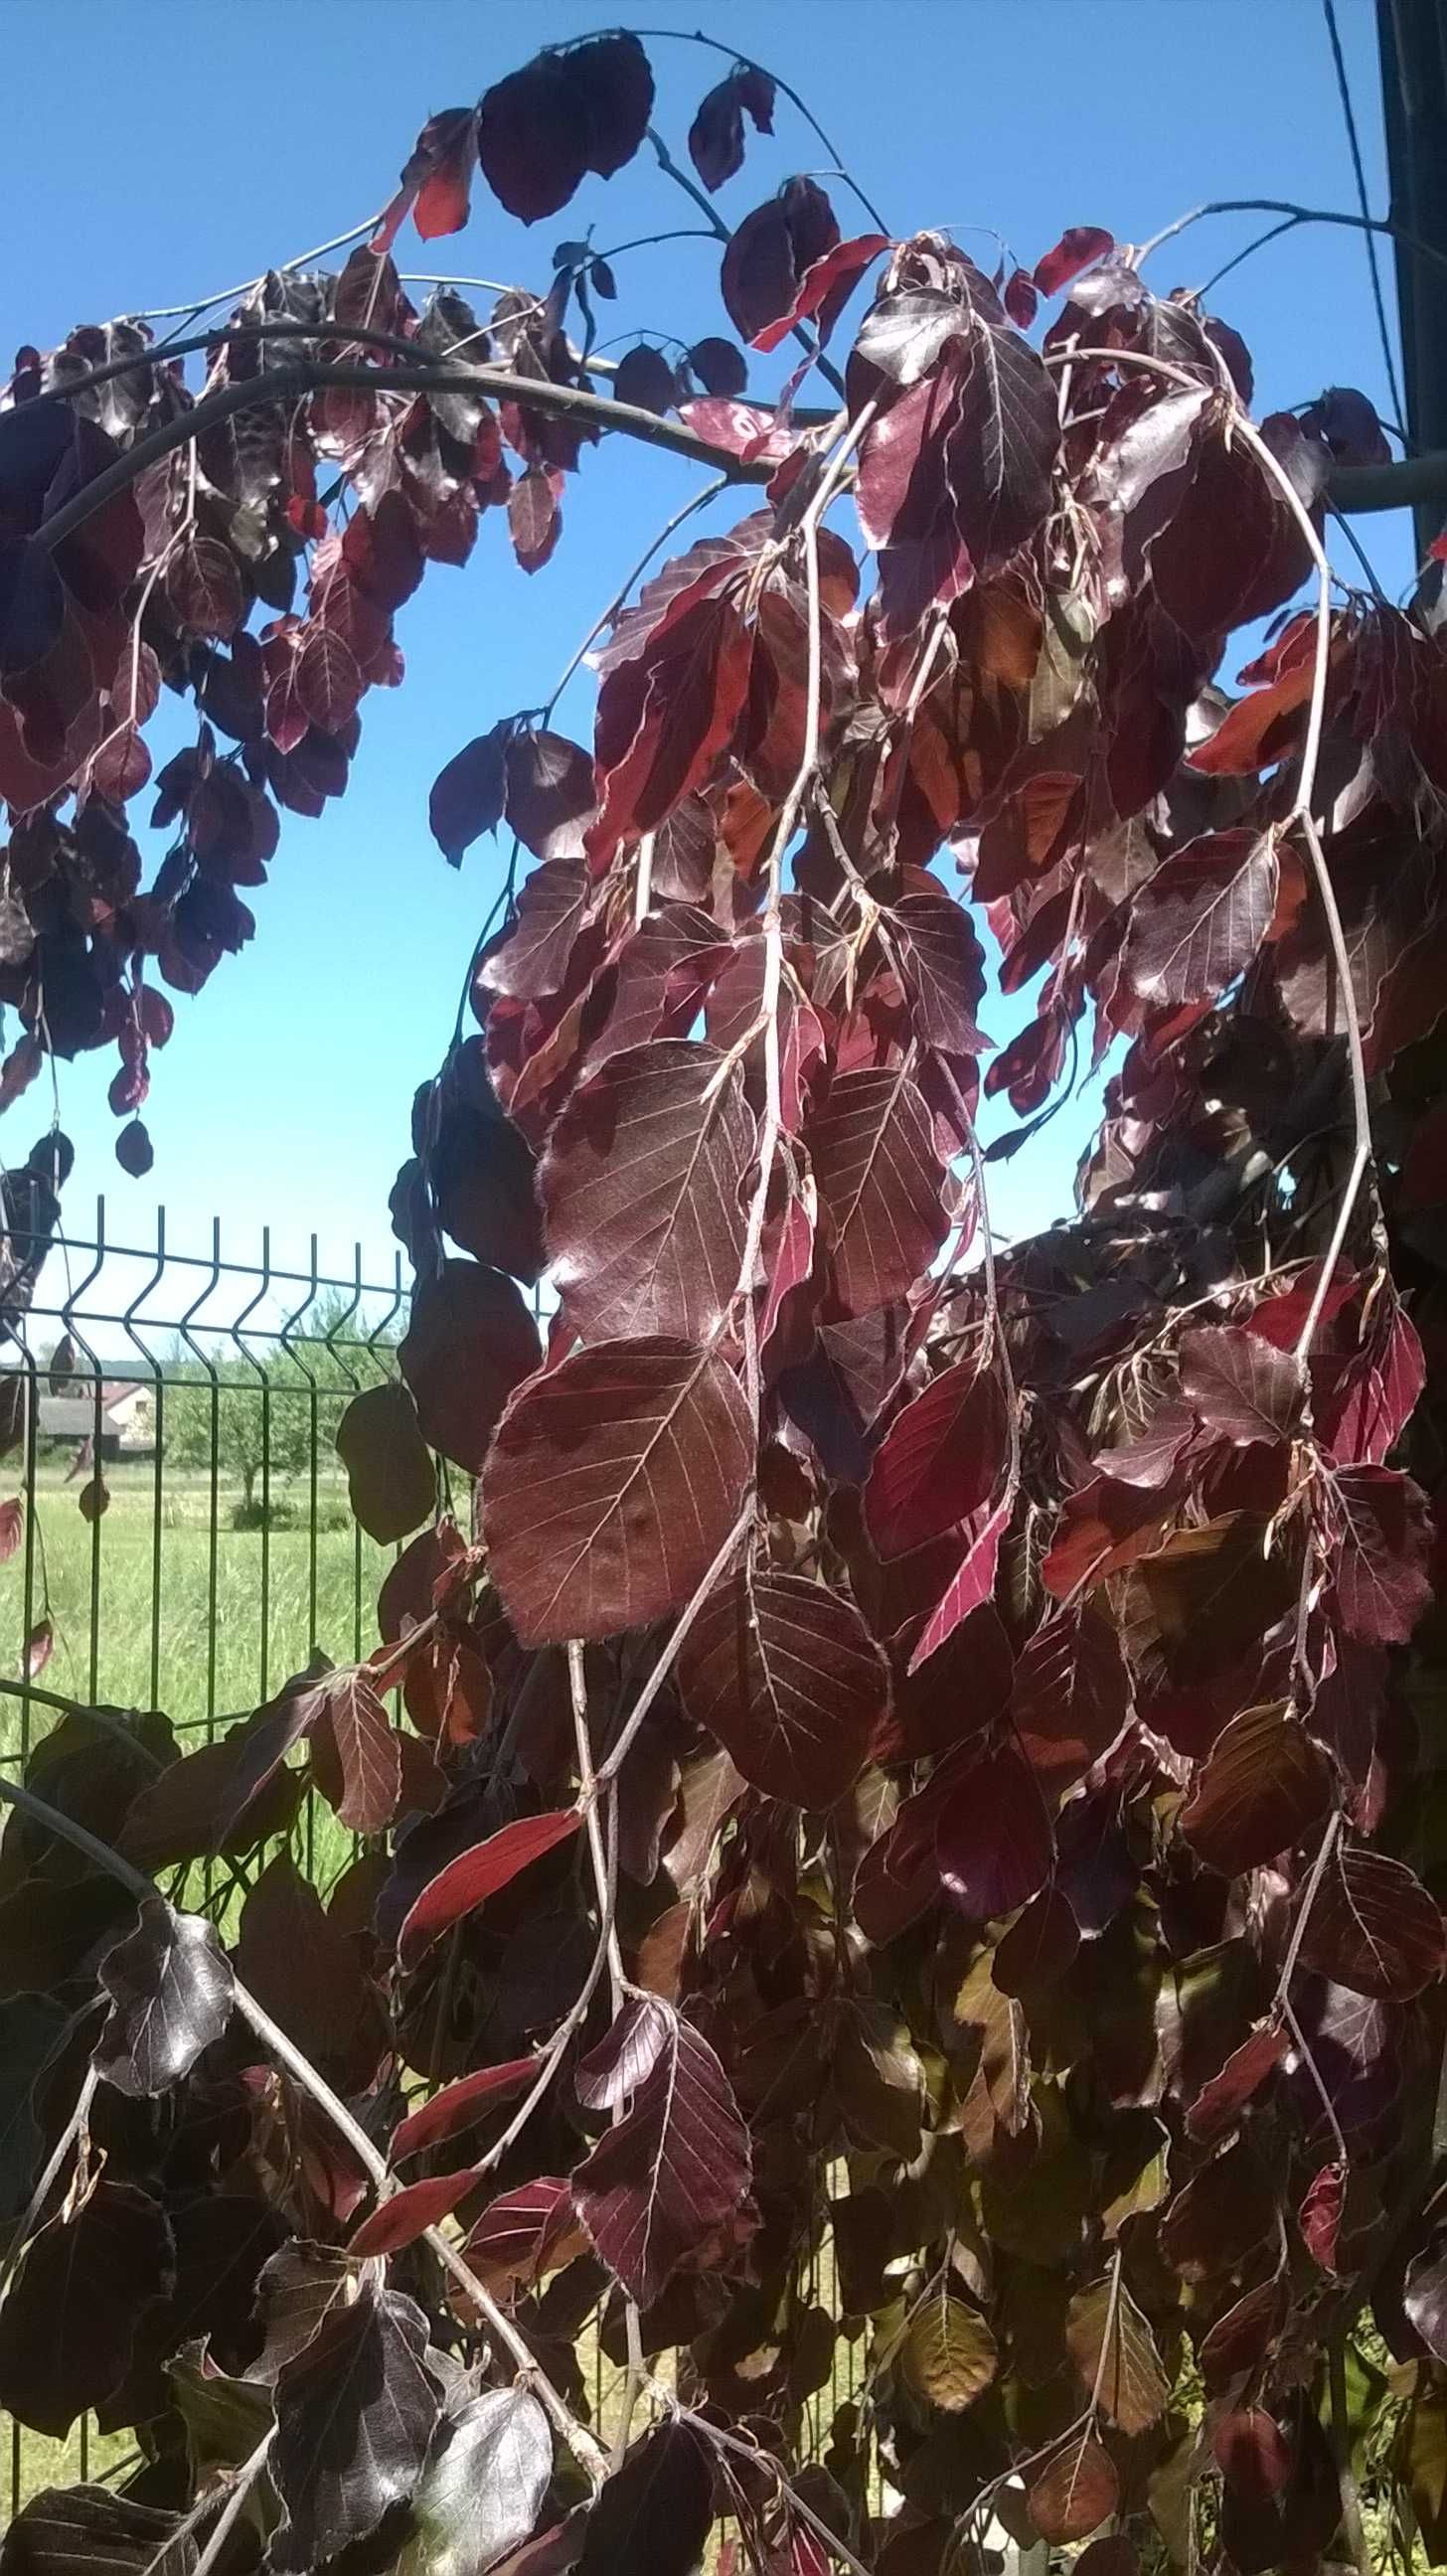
(170, 1617)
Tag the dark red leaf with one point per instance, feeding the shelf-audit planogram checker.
(475, 1875)
(469, 1341)
(943, 1459)
(716, 136)
(391, 1481)
(461, 2106)
(534, 517)
(784, 1673)
(1071, 1698)
(12, 1526)
(356, 2412)
(769, 254)
(612, 1485)
(1265, 1784)
(663, 717)
(880, 1181)
(1241, 1387)
(171, 1991)
(549, 794)
(72, 2308)
(584, 108)
(1374, 1927)
(134, 1150)
(642, 1191)
(1383, 1582)
(1199, 921)
(720, 367)
(328, 682)
(1319, 2216)
(993, 1843)
(645, 379)
(972, 1582)
(654, 2512)
(1074, 2491)
(673, 2169)
(525, 2233)
(468, 795)
(825, 285)
(407, 2214)
(1077, 248)
(1221, 2100)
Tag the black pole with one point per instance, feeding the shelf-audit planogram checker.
(1412, 40)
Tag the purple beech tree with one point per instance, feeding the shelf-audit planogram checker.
(917, 1764)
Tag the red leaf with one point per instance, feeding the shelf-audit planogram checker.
(475, 1875)
(461, 2106)
(1199, 921)
(942, 967)
(642, 1189)
(1242, 1388)
(829, 278)
(549, 794)
(1374, 1927)
(407, 2214)
(203, 586)
(1021, 298)
(328, 682)
(972, 1582)
(663, 717)
(1071, 1698)
(470, 1341)
(39, 1646)
(1224, 2096)
(612, 1484)
(716, 136)
(534, 517)
(880, 1180)
(956, 475)
(672, 2170)
(367, 1748)
(770, 253)
(1074, 2491)
(993, 1842)
(1266, 1782)
(1382, 1568)
(12, 1525)
(785, 1674)
(1319, 2216)
(467, 796)
(645, 379)
(942, 1460)
(1079, 247)
(525, 2233)
(566, 112)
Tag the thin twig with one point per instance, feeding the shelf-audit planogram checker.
(245, 2479)
(66, 2140)
(1344, 93)
(618, 1752)
(1318, 1872)
(248, 285)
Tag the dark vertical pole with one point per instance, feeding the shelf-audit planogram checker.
(1412, 40)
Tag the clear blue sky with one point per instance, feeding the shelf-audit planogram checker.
(160, 149)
